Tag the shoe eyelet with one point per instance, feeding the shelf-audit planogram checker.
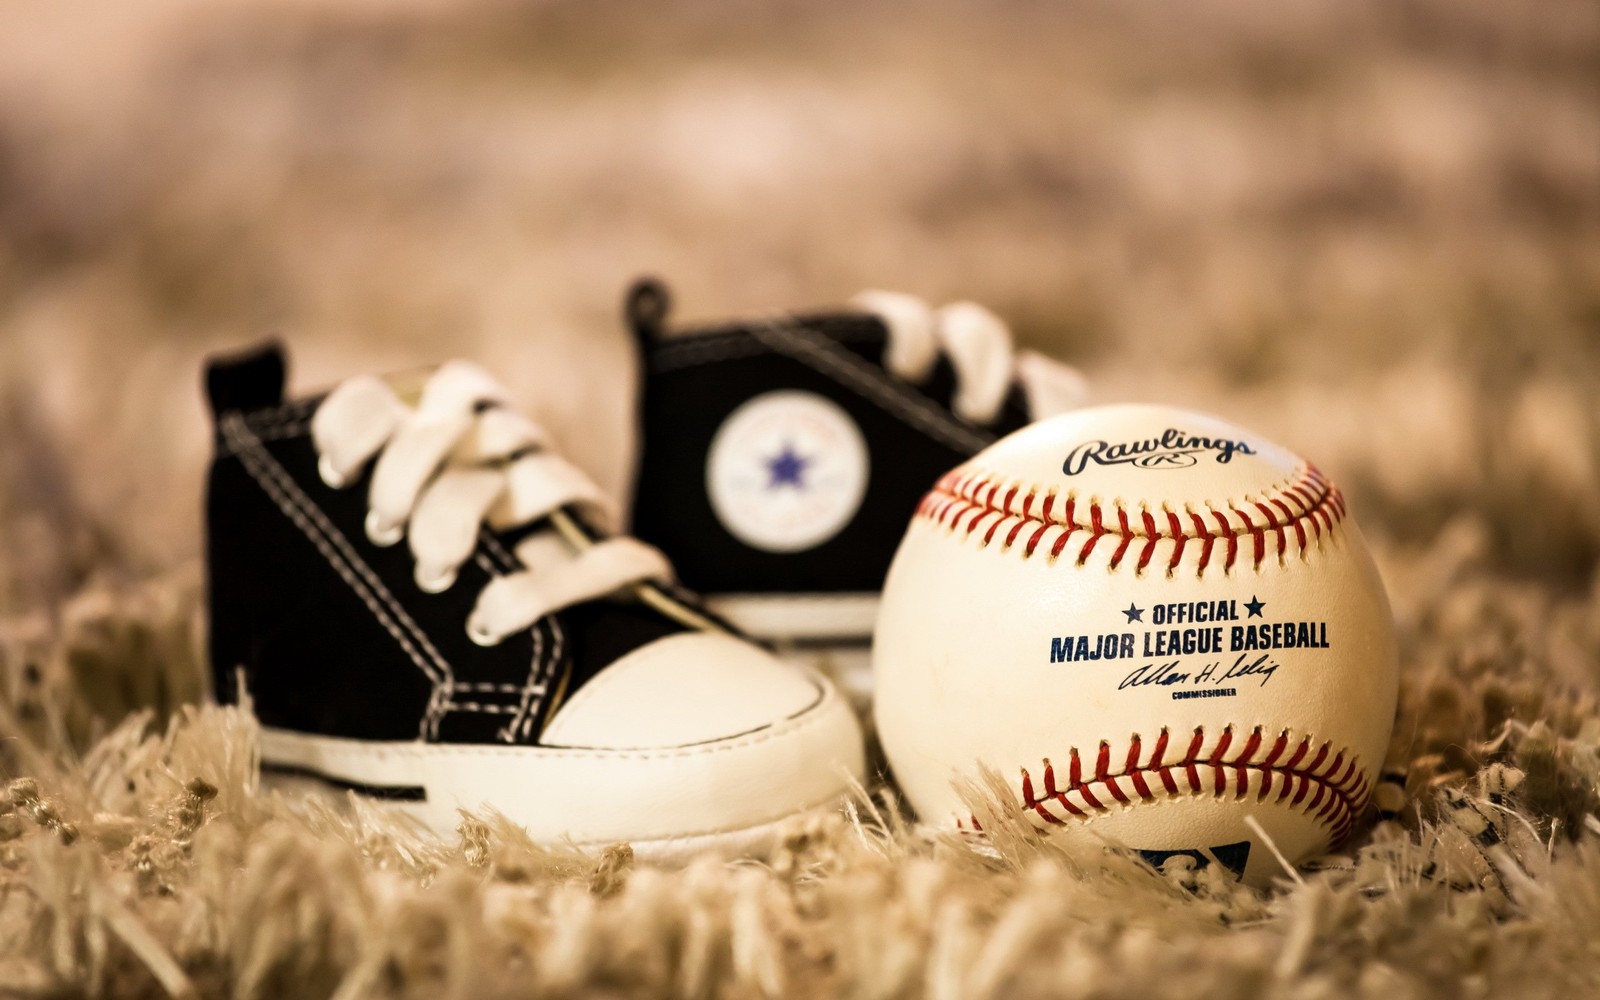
(480, 635)
(330, 475)
(381, 534)
(436, 583)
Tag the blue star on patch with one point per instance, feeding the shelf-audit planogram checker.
(787, 468)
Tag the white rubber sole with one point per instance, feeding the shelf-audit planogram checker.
(733, 795)
(756, 841)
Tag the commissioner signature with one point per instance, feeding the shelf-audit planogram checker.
(1167, 674)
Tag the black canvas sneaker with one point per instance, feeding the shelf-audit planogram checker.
(426, 606)
(781, 458)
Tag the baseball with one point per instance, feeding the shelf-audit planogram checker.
(1155, 626)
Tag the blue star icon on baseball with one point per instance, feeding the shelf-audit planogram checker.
(787, 468)
(1134, 613)
(1254, 606)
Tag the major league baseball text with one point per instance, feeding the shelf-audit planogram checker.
(1198, 661)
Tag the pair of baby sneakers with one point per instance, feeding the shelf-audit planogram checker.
(427, 605)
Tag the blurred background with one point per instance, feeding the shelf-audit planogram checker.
(1369, 229)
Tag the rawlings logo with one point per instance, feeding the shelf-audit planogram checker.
(1174, 449)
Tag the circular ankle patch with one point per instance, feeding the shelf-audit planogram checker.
(787, 471)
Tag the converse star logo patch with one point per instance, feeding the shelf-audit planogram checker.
(787, 471)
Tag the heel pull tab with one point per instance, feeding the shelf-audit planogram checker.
(646, 307)
(251, 379)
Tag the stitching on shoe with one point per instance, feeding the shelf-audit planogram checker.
(284, 431)
(492, 558)
(541, 666)
(1330, 785)
(703, 349)
(292, 411)
(537, 683)
(966, 500)
(869, 381)
(268, 431)
(333, 546)
(540, 675)
(511, 704)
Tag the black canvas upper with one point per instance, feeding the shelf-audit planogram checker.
(694, 379)
(330, 630)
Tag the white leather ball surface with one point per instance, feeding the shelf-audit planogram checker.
(1153, 624)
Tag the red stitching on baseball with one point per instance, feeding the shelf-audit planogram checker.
(1337, 789)
(1011, 536)
(963, 493)
(989, 535)
(1127, 537)
(1055, 550)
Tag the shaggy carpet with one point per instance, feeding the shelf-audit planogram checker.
(1369, 230)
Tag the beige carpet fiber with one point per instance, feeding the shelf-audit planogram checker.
(1369, 230)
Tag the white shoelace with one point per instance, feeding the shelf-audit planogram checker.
(460, 460)
(978, 344)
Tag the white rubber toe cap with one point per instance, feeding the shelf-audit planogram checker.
(687, 689)
(696, 737)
